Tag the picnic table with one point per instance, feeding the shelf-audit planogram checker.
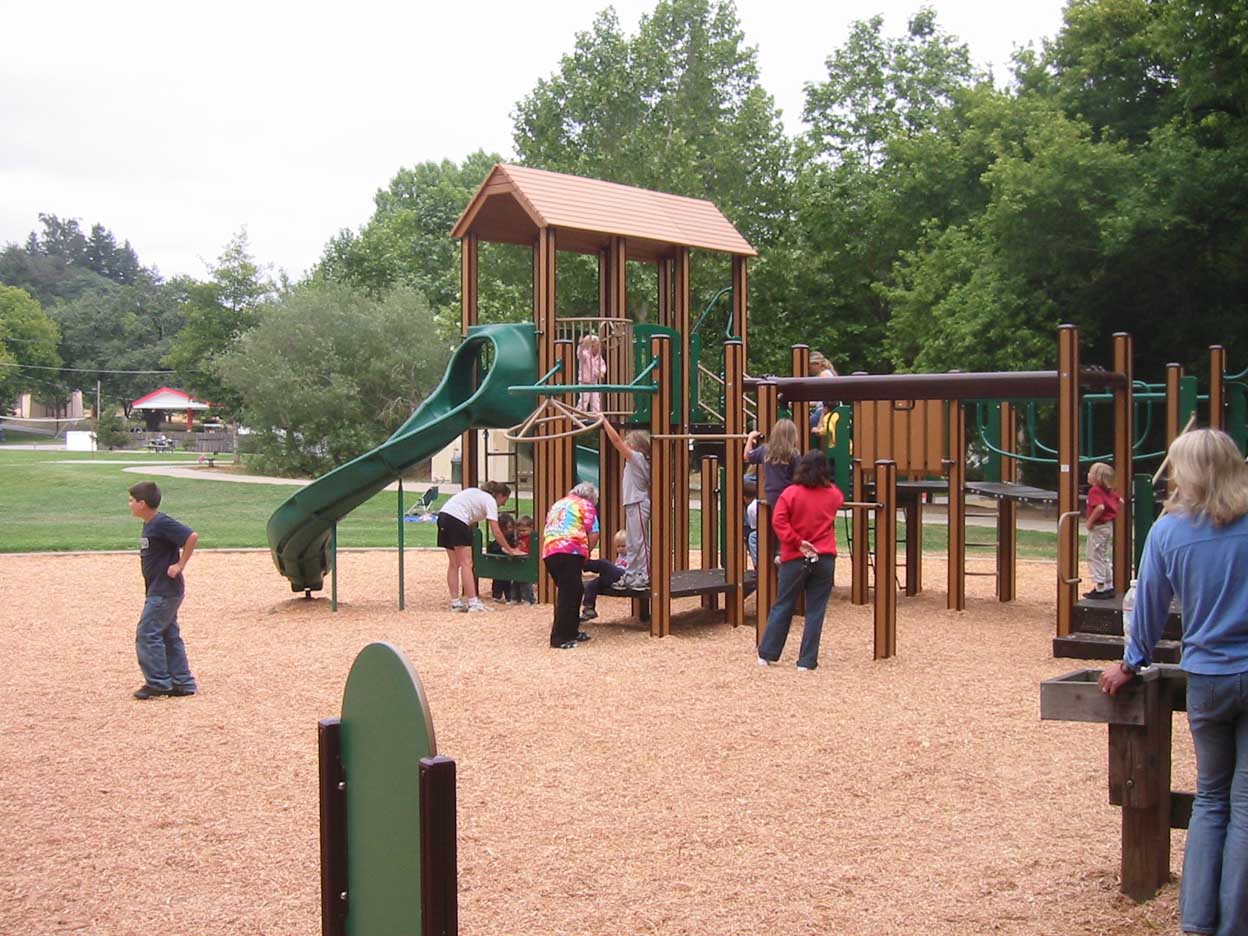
(161, 445)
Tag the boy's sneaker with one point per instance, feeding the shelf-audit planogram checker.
(805, 669)
(150, 692)
(178, 691)
(588, 614)
(476, 605)
(763, 662)
(457, 604)
(1099, 594)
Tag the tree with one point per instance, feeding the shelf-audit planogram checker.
(28, 341)
(407, 243)
(325, 375)
(218, 313)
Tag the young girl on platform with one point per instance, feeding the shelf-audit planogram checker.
(1102, 510)
(634, 448)
(591, 369)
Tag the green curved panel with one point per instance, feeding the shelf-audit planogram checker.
(299, 530)
(386, 730)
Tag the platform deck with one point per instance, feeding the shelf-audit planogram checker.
(688, 584)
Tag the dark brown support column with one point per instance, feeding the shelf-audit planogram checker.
(734, 510)
(469, 258)
(1007, 510)
(545, 455)
(333, 803)
(1067, 476)
(612, 292)
(886, 559)
(439, 856)
(1124, 458)
(1174, 375)
(799, 366)
(680, 461)
(1139, 781)
(661, 491)
(767, 573)
(666, 308)
(956, 600)
(860, 585)
(1217, 387)
(710, 522)
(563, 451)
(740, 302)
(912, 512)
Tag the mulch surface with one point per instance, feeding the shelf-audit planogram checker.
(630, 786)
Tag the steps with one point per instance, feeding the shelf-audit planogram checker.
(1097, 634)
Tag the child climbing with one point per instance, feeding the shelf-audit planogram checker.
(634, 448)
(608, 574)
(522, 592)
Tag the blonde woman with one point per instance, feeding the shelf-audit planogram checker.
(1199, 551)
(455, 522)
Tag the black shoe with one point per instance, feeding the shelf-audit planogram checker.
(182, 691)
(150, 692)
(588, 614)
(1100, 595)
(581, 637)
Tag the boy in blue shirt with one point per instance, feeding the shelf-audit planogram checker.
(165, 547)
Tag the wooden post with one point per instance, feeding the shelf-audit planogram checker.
(680, 451)
(799, 366)
(1124, 458)
(439, 856)
(545, 453)
(956, 462)
(1139, 781)
(563, 451)
(1174, 377)
(740, 303)
(469, 257)
(661, 491)
(710, 522)
(912, 512)
(1217, 387)
(333, 803)
(734, 510)
(886, 559)
(1007, 510)
(768, 578)
(1067, 474)
(612, 300)
(860, 584)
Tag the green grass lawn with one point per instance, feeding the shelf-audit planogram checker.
(59, 501)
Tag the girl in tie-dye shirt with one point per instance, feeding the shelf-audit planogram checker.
(570, 535)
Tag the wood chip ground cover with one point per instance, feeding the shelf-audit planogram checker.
(629, 786)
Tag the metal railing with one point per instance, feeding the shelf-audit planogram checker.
(616, 335)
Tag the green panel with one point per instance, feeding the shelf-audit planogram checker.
(988, 415)
(386, 730)
(1237, 415)
(502, 566)
(1142, 513)
(641, 360)
(1188, 392)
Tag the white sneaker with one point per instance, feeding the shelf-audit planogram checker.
(476, 605)
(458, 605)
(805, 669)
(762, 662)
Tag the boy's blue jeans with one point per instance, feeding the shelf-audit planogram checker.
(797, 577)
(1214, 894)
(608, 574)
(162, 655)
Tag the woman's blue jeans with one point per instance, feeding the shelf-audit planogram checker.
(797, 576)
(1214, 894)
(162, 655)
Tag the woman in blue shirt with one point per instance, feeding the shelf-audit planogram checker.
(1199, 551)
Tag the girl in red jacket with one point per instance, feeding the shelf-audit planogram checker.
(804, 519)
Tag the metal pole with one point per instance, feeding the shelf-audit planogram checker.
(402, 603)
(333, 572)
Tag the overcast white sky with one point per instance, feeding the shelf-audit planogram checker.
(176, 124)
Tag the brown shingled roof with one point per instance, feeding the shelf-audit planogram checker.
(514, 201)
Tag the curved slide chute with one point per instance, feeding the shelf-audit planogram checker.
(299, 529)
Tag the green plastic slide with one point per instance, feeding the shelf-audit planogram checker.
(299, 529)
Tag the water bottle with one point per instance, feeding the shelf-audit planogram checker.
(1128, 614)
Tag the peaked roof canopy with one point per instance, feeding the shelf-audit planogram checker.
(514, 202)
(166, 398)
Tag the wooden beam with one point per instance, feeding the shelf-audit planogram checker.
(1124, 459)
(767, 573)
(860, 519)
(740, 303)
(1217, 387)
(680, 461)
(1067, 475)
(956, 467)
(799, 366)
(545, 453)
(469, 292)
(885, 611)
(1007, 508)
(710, 522)
(661, 491)
(734, 510)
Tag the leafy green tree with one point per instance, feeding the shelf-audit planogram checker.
(329, 372)
(27, 337)
(218, 313)
(407, 243)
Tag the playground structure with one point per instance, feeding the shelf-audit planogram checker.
(901, 438)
